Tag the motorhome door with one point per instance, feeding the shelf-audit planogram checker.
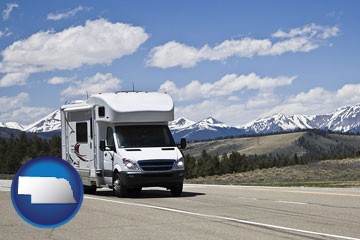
(81, 143)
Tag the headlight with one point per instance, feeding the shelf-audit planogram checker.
(180, 163)
(130, 164)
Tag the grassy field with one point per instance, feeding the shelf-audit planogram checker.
(330, 173)
(283, 144)
(7, 176)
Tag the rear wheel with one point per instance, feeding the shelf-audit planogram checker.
(176, 191)
(118, 186)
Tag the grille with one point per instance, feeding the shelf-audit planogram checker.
(156, 165)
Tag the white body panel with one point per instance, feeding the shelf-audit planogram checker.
(134, 107)
(86, 123)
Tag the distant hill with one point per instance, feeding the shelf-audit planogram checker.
(6, 133)
(12, 125)
(286, 144)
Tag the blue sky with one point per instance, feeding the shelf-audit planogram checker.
(232, 60)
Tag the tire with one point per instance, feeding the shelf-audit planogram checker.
(119, 188)
(135, 190)
(176, 191)
(90, 189)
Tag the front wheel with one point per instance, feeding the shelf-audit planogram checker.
(119, 188)
(90, 189)
(135, 190)
(176, 191)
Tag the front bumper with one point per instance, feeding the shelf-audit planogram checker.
(153, 179)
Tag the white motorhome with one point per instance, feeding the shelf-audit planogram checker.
(122, 141)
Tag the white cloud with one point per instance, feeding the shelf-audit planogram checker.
(5, 33)
(231, 113)
(173, 54)
(12, 79)
(233, 98)
(262, 100)
(64, 15)
(8, 103)
(297, 44)
(96, 84)
(309, 31)
(59, 80)
(318, 101)
(7, 11)
(214, 108)
(349, 93)
(225, 99)
(97, 42)
(15, 109)
(237, 111)
(246, 47)
(314, 95)
(303, 39)
(226, 86)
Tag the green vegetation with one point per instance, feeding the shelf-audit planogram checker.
(207, 165)
(330, 173)
(293, 159)
(16, 151)
(269, 152)
(285, 144)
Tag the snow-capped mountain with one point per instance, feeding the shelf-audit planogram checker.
(208, 128)
(49, 123)
(180, 123)
(211, 123)
(278, 123)
(12, 125)
(345, 119)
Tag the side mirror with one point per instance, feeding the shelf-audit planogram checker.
(183, 143)
(102, 145)
(111, 148)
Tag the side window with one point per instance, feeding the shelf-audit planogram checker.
(101, 111)
(81, 132)
(110, 137)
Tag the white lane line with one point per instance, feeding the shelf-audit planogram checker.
(299, 203)
(277, 201)
(5, 185)
(309, 190)
(225, 218)
(247, 198)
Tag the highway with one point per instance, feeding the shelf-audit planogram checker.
(203, 212)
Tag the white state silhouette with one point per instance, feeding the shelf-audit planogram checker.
(46, 190)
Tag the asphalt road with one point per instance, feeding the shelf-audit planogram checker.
(203, 212)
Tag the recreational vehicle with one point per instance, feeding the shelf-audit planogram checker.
(122, 141)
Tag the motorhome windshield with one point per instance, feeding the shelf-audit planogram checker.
(144, 136)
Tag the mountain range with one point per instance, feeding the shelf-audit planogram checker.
(343, 120)
(209, 128)
(49, 123)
